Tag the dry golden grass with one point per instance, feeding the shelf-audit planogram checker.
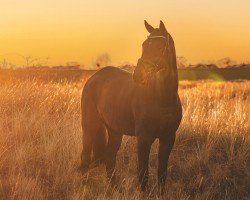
(40, 145)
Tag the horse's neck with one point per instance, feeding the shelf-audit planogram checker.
(166, 80)
(164, 87)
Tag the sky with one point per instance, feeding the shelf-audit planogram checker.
(80, 30)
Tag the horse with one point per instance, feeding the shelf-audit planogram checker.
(144, 104)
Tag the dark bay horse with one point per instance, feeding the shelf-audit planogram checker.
(145, 104)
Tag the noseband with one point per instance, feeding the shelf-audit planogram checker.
(156, 65)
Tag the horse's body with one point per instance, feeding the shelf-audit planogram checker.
(114, 103)
(121, 105)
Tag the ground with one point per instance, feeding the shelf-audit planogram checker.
(40, 145)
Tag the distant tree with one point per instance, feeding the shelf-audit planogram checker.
(225, 62)
(35, 62)
(4, 64)
(182, 62)
(73, 64)
(102, 60)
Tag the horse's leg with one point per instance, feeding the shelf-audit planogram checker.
(86, 153)
(114, 143)
(99, 143)
(144, 143)
(166, 145)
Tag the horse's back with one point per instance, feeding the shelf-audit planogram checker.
(108, 78)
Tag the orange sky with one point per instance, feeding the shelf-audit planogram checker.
(79, 30)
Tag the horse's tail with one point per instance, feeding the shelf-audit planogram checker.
(94, 133)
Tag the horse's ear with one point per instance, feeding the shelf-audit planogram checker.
(162, 27)
(149, 28)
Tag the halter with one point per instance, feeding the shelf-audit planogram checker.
(156, 65)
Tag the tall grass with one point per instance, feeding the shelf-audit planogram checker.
(40, 145)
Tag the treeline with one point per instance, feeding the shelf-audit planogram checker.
(72, 75)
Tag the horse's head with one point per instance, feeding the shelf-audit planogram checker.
(158, 52)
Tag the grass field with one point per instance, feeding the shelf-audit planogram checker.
(40, 145)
